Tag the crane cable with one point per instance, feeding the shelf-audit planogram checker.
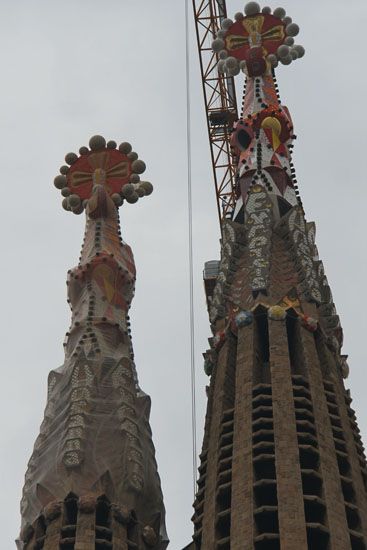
(191, 269)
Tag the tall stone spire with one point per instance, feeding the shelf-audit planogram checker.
(92, 480)
(282, 463)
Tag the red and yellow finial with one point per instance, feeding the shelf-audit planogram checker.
(117, 170)
(256, 41)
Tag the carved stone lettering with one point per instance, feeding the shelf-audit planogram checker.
(259, 229)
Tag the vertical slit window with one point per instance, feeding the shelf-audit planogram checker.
(68, 530)
(40, 534)
(294, 344)
(132, 535)
(230, 379)
(262, 353)
(103, 524)
(71, 510)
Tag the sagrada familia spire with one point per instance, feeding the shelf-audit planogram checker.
(282, 463)
(92, 480)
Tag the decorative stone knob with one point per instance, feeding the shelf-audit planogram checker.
(149, 536)
(277, 313)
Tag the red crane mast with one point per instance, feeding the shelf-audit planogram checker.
(220, 102)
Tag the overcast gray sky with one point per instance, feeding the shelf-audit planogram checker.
(72, 69)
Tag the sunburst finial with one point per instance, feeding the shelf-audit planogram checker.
(117, 169)
(256, 41)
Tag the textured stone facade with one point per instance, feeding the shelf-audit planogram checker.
(282, 463)
(92, 480)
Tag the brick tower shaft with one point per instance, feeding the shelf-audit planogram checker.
(282, 463)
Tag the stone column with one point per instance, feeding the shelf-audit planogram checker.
(292, 525)
(86, 526)
(54, 518)
(119, 521)
(218, 396)
(338, 527)
(242, 522)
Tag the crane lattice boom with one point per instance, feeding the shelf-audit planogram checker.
(220, 102)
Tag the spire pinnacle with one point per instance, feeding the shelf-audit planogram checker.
(256, 41)
(117, 170)
(95, 448)
(262, 139)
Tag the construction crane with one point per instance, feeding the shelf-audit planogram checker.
(220, 103)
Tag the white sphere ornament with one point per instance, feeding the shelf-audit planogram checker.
(231, 63)
(60, 182)
(70, 158)
(134, 197)
(279, 12)
(238, 16)
(128, 189)
(223, 54)
(147, 186)
(289, 41)
(300, 50)
(235, 71)
(226, 23)
(273, 60)
(283, 51)
(294, 54)
(252, 8)
(221, 65)
(64, 169)
(221, 33)
(78, 209)
(97, 142)
(116, 197)
(133, 156)
(138, 166)
(287, 20)
(65, 191)
(266, 10)
(125, 147)
(74, 201)
(292, 29)
(217, 45)
(286, 60)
